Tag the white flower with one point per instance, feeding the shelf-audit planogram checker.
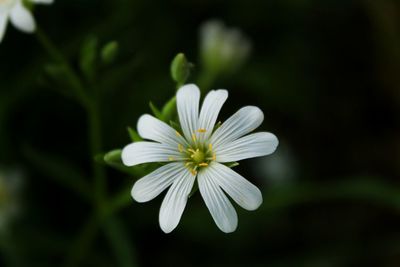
(200, 151)
(18, 14)
(222, 49)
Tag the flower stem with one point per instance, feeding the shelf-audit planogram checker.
(91, 104)
(57, 56)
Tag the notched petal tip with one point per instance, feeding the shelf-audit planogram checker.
(275, 142)
(143, 123)
(257, 201)
(190, 87)
(167, 228)
(126, 154)
(254, 112)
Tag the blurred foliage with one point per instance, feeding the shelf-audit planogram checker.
(326, 74)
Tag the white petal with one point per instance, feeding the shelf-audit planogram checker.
(3, 25)
(43, 1)
(218, 204)
(250, 146)
(209, 111)
(145, 152)
(175, 201)
(154, 129)
(245, 120)
(187, 101)
(22, 18)
(151, 185)
(244, 193)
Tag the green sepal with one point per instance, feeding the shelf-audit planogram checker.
(231, 164)
(135, 137)
(88, 57)
(113, 159)
(109, 52)
(176, 126)
(194, 190)
(155, 110)
(29, 5)
(217, 125)
(169, 110)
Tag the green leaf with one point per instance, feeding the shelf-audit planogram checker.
(169, 110)
(89, 57)
(135, 137)
(109, 52)
(155, 111)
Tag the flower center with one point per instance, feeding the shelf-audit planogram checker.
(198, 155)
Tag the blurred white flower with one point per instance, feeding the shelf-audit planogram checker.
(222, 49)
(20, 16)
(200, 151)
(10, 187)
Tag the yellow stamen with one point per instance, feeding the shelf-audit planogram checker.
(187, 164)
(193, 172)
(171, 158)
(203, 164)
(180, 148)
(210, 147)
(177, 133)
(214, 157)
(191, 150)
(202, 130)
(194, 137)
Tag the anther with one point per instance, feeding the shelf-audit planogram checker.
(202, 130)
(171, 158)
(214, 156)
(177, 133)
(180, 148)
(193, 172)
(203, 164)
(210, 147)
(194, 137)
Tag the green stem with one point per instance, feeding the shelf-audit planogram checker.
(83, 242)
(95, 145)
(92, 107)
(76, 82)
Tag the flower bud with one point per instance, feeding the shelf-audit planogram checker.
(109, 52)
(180, 69)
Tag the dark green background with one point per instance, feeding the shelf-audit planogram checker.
(326, 75)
